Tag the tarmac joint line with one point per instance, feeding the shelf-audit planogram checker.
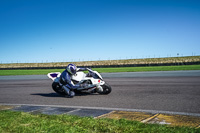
(104, 115)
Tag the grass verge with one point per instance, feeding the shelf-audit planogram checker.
(149, 68)
(24, 122)
(104, 70)
(28, 72)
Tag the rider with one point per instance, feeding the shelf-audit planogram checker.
(65, 79)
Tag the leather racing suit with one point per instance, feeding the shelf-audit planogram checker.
(65, 80)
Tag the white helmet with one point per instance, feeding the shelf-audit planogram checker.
(71, 68)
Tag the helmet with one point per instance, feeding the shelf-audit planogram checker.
(71, 68)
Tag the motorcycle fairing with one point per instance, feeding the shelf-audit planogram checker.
(78, 76)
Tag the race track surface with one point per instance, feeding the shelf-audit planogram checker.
(159, 91)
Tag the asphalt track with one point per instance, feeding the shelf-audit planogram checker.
(173, 91)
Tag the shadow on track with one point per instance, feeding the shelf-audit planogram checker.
(47, 94)
(57, 95)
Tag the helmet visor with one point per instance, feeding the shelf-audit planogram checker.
(73, 70)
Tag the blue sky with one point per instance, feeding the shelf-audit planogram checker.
(80, 30)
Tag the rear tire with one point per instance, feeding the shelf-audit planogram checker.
(106, 89)
(57, 88)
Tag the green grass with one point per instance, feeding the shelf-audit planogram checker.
(104, 70)
(29, 72)
(19, 122)
(152, 68)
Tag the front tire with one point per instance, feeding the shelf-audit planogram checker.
(106, 89)
(57, 88)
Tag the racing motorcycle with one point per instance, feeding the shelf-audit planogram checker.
(93, 80)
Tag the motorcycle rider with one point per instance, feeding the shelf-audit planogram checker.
(65, 79)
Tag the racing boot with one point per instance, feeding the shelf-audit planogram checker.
(71, 94)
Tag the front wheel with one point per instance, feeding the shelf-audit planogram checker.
(106, 89)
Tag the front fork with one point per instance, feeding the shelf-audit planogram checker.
(99, 88)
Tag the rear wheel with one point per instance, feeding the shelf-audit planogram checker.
(106, 89)
(57, 88)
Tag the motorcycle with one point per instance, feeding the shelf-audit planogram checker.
(93, 82)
